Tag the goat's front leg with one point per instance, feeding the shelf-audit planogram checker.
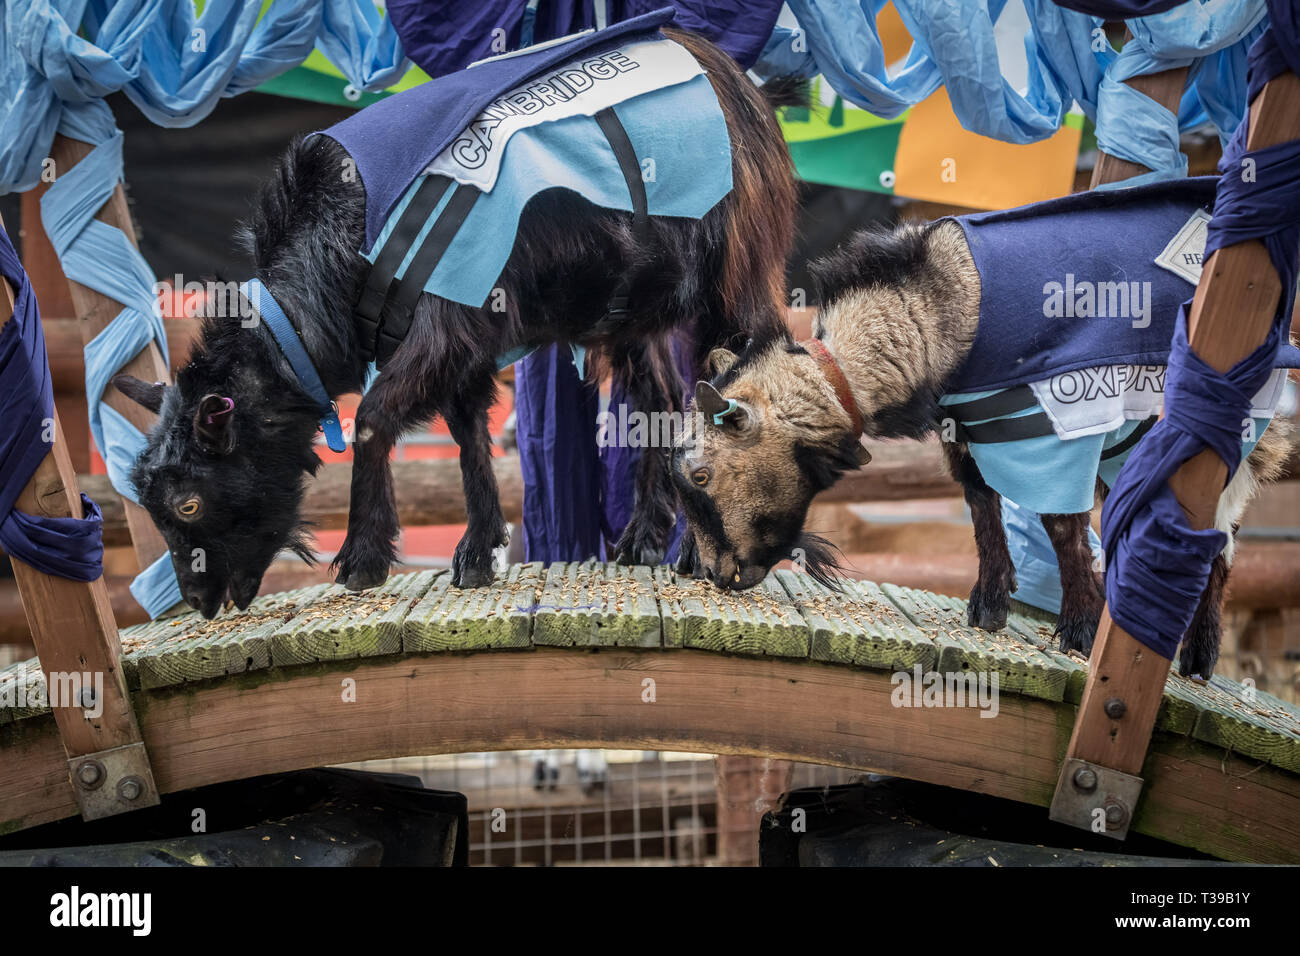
(466, 413)
(1082, 593)
(652, 385)
(370, 546)
(990, 599)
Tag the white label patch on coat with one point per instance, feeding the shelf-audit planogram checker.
(1093, 401)
(580, 87)
(1183, 255)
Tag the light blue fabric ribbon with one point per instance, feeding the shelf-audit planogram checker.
(1068, 61)
(174, 66)
(101, 257)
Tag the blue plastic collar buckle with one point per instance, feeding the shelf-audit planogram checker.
(333, 429)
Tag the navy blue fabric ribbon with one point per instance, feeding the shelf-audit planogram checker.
(1120, 9)
(68, 547)
(443, 36)
(1157, 564)
(261, 299)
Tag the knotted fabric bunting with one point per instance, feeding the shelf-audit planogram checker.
(1157, 564)
(67, 547)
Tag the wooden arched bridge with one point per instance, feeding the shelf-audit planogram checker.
(593, 655)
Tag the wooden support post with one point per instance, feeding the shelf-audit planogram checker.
(1231, 314)
(1165, 88)
(76, 641)
(96, 311)
(748, 787)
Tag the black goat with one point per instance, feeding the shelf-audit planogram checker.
(226, 483)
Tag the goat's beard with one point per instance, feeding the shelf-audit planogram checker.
(821, 560)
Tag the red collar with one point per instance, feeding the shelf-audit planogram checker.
(835, 375)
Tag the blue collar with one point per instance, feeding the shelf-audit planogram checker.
(260, 296)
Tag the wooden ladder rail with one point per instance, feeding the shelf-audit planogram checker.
(95, 311)
(79, 650)
(1232, 312)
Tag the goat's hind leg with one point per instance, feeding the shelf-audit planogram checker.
(1082, 594)
(466, 412)
(652, 385)
(990, 599)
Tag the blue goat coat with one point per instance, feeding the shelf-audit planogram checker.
(1074, 310)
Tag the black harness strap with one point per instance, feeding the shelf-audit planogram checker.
(402, 310)
(628, 164)
(387, 305)
(380, 280)
(1006, 429)
(1130, 440)
(1007, 402)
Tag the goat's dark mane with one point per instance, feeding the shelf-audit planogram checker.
(879, 255)
(776, 336)
(303, 235)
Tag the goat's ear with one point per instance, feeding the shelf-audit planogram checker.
(720, 411)
(719, 361)
(146, 394)
(214, 423)
(864, 456)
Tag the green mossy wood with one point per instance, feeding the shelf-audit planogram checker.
(594, 605)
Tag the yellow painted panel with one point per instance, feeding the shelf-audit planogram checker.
(939, 161)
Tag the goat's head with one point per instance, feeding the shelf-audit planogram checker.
(222, 477)
(768, 433)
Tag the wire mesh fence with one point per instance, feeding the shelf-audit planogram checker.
(587, 807)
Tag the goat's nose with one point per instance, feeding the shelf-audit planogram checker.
(194, 601)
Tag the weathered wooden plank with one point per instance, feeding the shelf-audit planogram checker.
(597, 605)
(187, 648)
(22, 692)
(475, 619)
(1039, 629)
(341, 625)
(858, 625)
(678, 603)
(761, 622)
(1020, 666)
(1229, 719)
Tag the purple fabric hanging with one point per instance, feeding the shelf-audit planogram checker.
(443, 36)
(740, 28)
(555, 429)
(1120, 9)
(578, 496)
(1157, 565)
(67, 547)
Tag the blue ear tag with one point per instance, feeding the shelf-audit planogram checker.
(731, 407)
(333, 430)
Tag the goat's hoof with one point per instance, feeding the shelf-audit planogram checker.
(467, 571)
(1198, 668)
(635, 547)
(1076, 634)
(986, 612)
(361, 579)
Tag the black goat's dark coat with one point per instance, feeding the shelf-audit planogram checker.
(722, 275)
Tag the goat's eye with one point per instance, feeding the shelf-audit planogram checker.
(189, 507)
(700, 476)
